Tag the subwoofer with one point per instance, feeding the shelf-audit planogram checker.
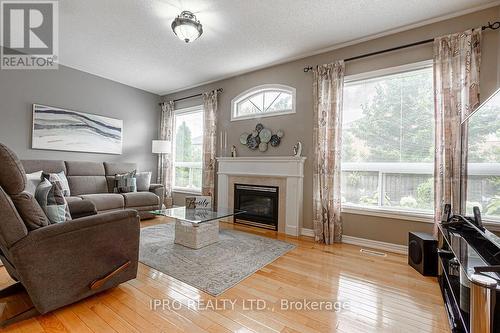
(422, 253)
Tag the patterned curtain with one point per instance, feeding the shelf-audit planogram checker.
(327, 91)
(165, 160)
(457, 59)
(209, 143)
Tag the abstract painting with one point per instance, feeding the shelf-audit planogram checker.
(60, 129)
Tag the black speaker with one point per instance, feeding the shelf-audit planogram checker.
(422, 253)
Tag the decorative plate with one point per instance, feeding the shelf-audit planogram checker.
(253, 142)
(259, 127)
(275, 140)
(280, 133)
(263, 146)
(243, 138)
(265, 135)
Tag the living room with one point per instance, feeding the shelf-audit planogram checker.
(285, 166)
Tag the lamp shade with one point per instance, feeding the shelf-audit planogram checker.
(161, 146)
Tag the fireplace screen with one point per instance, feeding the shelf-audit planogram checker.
(260, 204)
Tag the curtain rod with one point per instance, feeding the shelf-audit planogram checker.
(492, 26)
(219, 90)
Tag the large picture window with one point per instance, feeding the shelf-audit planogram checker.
(188, 148)
(388, 140)
(263, 101)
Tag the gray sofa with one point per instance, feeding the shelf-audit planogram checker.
(94, 181)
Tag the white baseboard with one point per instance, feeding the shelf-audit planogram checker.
(373, 244)
(307, 232)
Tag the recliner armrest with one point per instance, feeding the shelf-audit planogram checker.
(79, 225)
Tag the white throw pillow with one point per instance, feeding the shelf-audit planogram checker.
(143, 180)
(32, 181)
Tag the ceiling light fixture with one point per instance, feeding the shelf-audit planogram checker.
(187, 27)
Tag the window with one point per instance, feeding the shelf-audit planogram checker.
(263, 101)
(483, 160)
(388, 140)
(187, 149)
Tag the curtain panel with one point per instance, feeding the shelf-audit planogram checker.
(457, 59)
(209, 143)
(165, 160)
(328, 83)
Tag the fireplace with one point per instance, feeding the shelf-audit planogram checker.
(260, 204)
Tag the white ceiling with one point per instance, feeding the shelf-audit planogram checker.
(130, 41)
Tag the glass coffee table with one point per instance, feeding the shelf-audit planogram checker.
(196, 228)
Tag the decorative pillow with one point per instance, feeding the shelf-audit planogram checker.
(61, 179)
(125, 183)
(143, 180)
(32, 181)
(51, 199)
(29, 210)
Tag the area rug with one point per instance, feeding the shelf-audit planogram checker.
(214, 268)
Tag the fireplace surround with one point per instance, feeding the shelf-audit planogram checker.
(285, 172)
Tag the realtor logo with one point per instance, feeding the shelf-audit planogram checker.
(29, 34)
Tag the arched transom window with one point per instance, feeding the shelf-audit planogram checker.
(263, 101)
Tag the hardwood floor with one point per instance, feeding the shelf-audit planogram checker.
(381, 294)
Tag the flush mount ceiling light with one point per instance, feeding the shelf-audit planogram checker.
(187, 27)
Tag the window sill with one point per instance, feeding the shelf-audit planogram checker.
(492, 225)
(392, 214)
(186, 191)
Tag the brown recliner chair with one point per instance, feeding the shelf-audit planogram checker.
(59, 264)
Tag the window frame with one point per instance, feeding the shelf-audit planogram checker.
(177, 112)
(383, 211)
(262, 89)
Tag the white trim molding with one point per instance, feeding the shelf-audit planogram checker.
(363, 242)
(377, 245)
(289, 168)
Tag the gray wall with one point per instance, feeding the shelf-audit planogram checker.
(299, 126)
(76, 90)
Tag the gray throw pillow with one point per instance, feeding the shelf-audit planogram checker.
(29, 210)
(61, 179)
(51, 199)
(32, 181)
(143, 180)
(125, 183)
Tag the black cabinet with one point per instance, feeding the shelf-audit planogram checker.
(470, 297)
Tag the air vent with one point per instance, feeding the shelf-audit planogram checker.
(373, 253)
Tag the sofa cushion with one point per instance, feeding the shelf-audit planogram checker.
(30, 211)
(78, 168)
(12, 174)
(81, 208)
(49, 166)
(138, 199)
(111, 169)
(73, 199)
(80, 185)
(50, 197)
(105, 201)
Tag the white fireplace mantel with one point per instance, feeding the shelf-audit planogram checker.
(287, 167)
